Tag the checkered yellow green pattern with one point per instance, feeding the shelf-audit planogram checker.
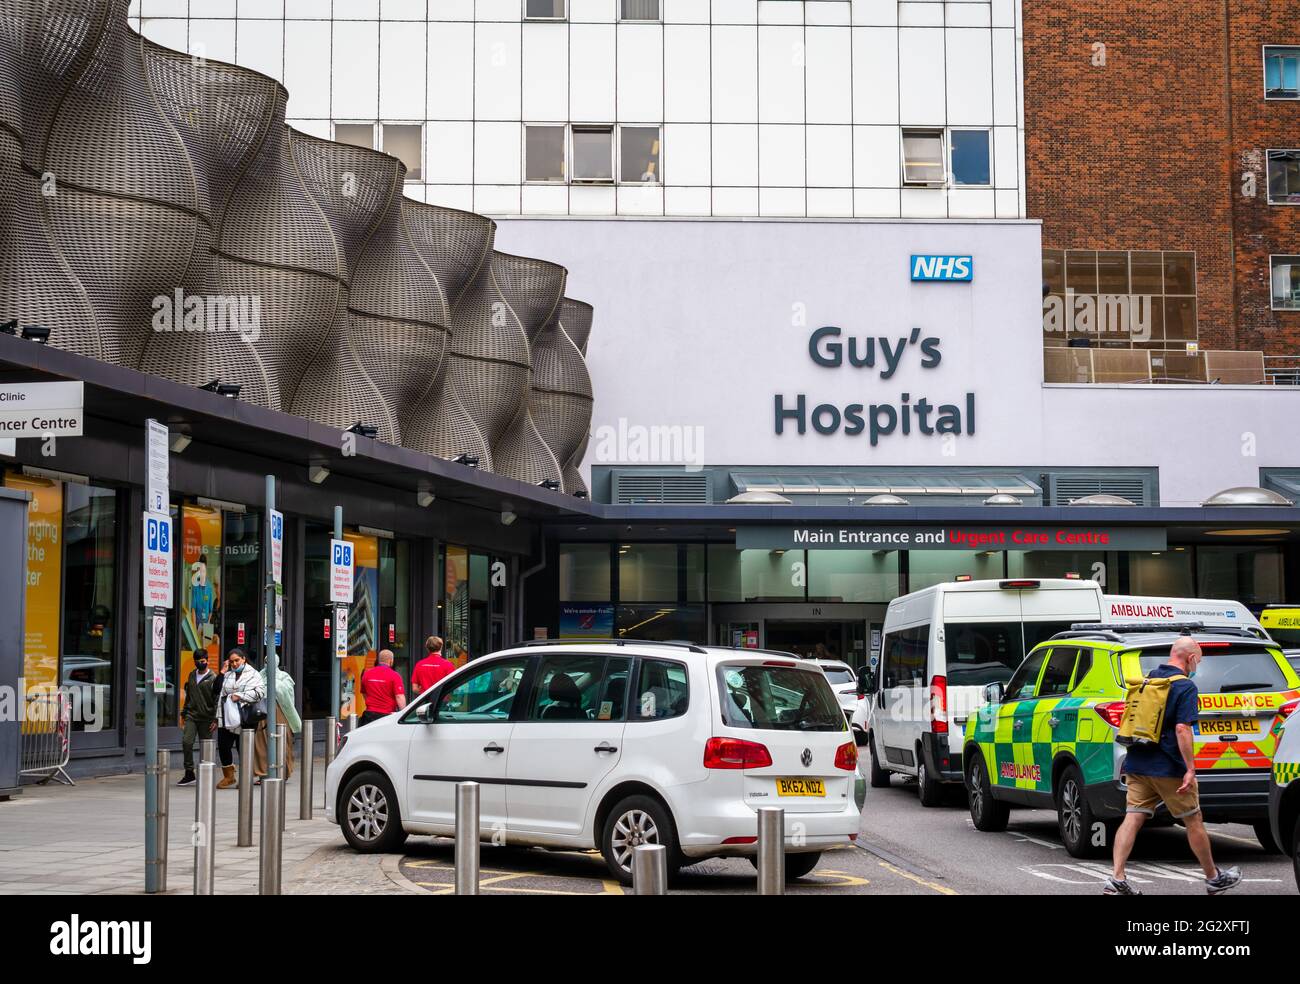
(1021, 739)
(1285, 772)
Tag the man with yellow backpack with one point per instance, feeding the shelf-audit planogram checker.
(1159, 715)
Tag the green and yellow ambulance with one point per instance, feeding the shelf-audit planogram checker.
(1283, 624)
(1284, 794)
(1046, 739)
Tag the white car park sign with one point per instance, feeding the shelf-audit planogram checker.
(42, 409)
(341, 562)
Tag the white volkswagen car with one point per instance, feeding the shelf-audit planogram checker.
(610, 745)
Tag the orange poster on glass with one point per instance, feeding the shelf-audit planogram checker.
(363, 621)
(44, 578)
(200, 588)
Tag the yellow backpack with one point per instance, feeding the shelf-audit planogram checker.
(1144, 710)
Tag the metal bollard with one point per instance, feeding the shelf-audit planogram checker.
(771, 850)
(281, 757)
(164, 797)
(207, 750)
(352, 722)
(244, 831)
(650, 870)
(467, 826)
(331, 749)
(270, 856)
(306, 768)
(205, 824)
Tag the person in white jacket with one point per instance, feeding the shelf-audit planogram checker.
(241, 687)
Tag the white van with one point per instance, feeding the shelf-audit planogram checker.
(941, 647)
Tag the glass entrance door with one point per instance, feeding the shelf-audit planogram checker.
(819, 639)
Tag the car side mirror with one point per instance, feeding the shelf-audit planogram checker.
(425, 712)
(994, 693)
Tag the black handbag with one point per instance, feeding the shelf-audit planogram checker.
(251, 715)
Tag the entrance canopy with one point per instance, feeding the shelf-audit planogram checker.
(928, 487)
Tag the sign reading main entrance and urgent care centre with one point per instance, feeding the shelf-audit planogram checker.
(951, 537)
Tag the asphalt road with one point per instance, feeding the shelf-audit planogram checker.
(903, 849)
(1028, 858)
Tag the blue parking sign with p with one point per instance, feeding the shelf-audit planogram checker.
(343, 554)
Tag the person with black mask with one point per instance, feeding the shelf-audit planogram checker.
(241, 690)
(199, 712)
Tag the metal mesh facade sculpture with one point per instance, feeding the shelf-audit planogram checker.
(157, 213)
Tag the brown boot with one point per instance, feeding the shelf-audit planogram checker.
(227, 777)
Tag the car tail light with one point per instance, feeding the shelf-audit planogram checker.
(1112, 713)
(1214, 645)
(1019, 583)
(779, 662)
(740, 840)
(735, 753)
(1287, 709)
(846, 757)
(939, 705)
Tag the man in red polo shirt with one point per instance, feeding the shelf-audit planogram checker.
(432, 668)
(382, 688)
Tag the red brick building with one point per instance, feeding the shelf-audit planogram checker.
(1167, 138)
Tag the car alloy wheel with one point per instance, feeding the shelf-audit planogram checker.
(633, 829)
(975, 790)
(1071, 813)
(368, 812)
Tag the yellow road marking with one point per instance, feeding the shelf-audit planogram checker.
(613, 887)
(839, 879)
(941, 889)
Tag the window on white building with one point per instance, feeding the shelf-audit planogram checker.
(640, 10)
(1281, 73)
(356, 134)
(405, 141)
(544, 153)
(1284, 177)
(639, 155)
(1286, 283)
(544, 9)
(593, 154)
(970, 157)
(923, 158)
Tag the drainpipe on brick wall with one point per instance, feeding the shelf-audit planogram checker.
(1233, 176)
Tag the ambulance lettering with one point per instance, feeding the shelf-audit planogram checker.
(1014, 770)
(1126, 610)
(1239, 702)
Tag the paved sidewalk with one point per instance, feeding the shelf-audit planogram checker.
(89, 839)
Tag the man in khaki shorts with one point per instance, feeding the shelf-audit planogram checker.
(1166, 772)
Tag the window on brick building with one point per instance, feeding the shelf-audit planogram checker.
(1286, 283)
(544, 9)
(923, 158)
(1284, 177)
(970, 157)
(544, 153)
(1281, 73)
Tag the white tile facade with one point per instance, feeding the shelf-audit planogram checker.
(767, 107)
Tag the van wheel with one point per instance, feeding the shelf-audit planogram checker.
(928, 788)
(1074, 816)
(797, 865)
(635, 821)
(371, 819)
(878, 777)
(1264, 834)
(987, 813)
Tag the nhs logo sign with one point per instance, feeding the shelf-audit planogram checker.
(926, 266)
